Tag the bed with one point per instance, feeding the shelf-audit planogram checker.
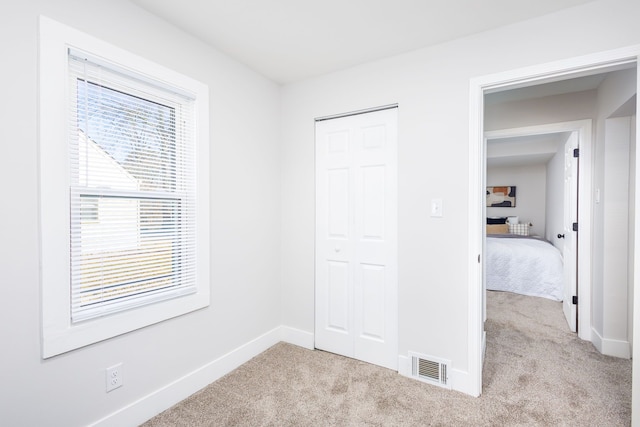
(526, 265)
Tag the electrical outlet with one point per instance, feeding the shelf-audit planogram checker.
(114, 377)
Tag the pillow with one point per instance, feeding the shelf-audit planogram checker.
(497, 229)
(496, 220)
(519, 229)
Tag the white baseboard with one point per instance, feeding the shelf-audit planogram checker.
(484, 345)
(609, 347)
(298, 337)
(404, 366)
(461, 381)
(163, 398)
(152, 404)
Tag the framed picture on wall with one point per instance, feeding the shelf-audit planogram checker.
(501, 197)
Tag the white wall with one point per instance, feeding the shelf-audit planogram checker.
(69, 389)
(537, 111)
(431, 87)
(611, 178)
(530, 182)
(540, 111)
(632, 228)
(615, 196)
(555, 198)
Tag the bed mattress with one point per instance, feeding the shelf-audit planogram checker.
(524, 265)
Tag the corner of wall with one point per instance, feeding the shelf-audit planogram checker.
(163, 398)
(609, 347)
(298, 337)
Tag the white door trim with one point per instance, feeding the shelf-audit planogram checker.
(551, 71)
(353, 113)
(585, 184)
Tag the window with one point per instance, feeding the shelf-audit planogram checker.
(131, 170)
(124, 191)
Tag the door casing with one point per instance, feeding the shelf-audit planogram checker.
(542, 73)
(584, 130)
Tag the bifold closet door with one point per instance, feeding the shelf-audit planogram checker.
(356, 237)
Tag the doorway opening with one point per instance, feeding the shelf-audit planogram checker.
(509, 82)
(541, 161)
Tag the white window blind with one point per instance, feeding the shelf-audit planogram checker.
(132, 189)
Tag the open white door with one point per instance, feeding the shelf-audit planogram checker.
(356, 237)
(569, 252)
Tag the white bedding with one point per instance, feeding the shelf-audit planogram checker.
(524, 266)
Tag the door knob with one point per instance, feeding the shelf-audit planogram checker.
(560, 236)
(337, 249)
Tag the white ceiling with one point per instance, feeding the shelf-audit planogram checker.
(570, 85)
(540, 148)
(525, 150)
(534, 149)
(290, 40)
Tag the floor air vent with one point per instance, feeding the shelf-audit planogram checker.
(430, 369)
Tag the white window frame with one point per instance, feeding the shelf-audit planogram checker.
(59, 334)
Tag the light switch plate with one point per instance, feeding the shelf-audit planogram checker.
(436, 208)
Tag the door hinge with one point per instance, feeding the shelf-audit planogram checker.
(576, 152)
(575, 226)
(479, 258)
(575, 300)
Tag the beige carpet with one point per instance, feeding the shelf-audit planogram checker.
(536, 373)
